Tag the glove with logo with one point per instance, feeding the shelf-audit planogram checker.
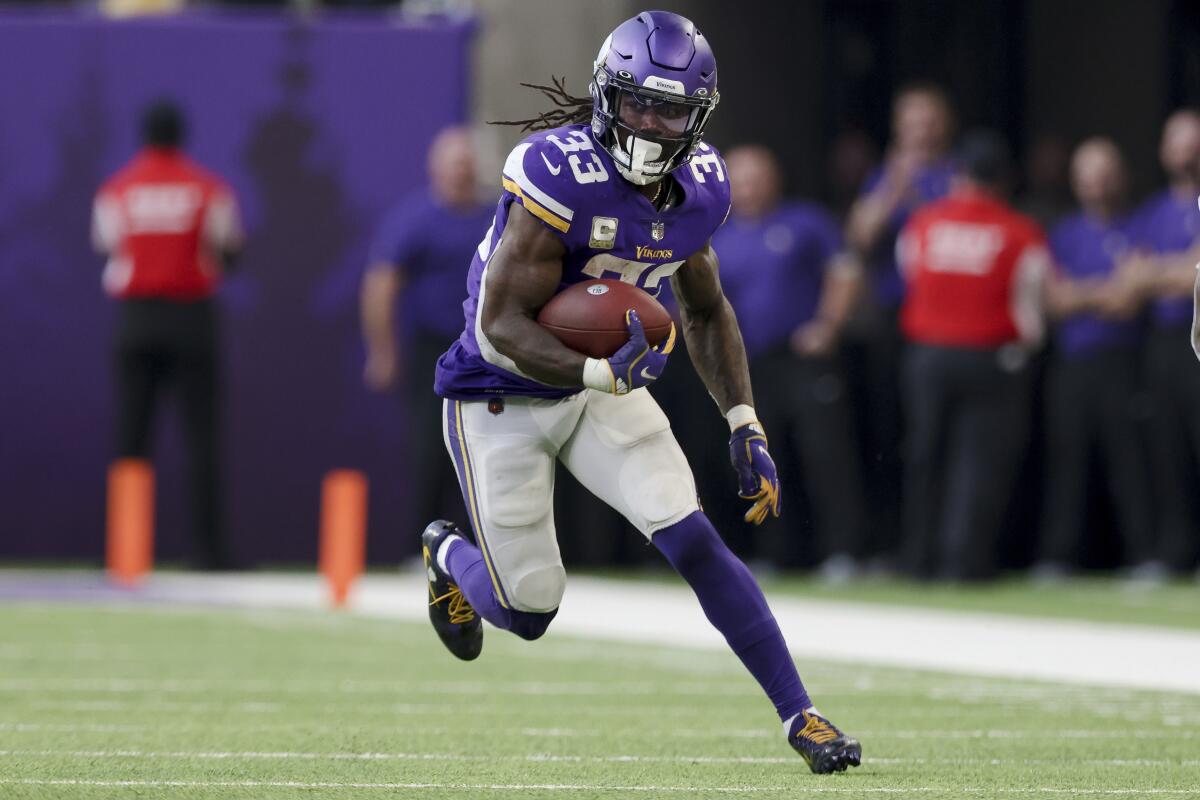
(757, 480)
(635, 365)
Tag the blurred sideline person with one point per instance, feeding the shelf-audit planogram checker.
(414, 267)
(170, 228)
(1094, 380)
(973, 311)
(915, 171)
(617, 183)
(793, 285)
(1169, 230)
(1046, 193)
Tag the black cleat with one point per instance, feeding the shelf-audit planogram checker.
(456, 623)
(822, 746)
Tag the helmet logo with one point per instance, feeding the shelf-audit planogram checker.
(665, 85)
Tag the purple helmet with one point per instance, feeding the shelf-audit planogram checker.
(653, 89)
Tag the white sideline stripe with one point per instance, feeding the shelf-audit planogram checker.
(991, 645)
(586, 787)
(575, 759)
(1036, 734)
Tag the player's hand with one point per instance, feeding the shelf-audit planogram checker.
(814, 339)
(757, 479)
(382, 370)
(635, 365)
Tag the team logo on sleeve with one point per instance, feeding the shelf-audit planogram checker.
(604, 233)
(657, 231)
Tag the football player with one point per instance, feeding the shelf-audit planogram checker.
(626, 190)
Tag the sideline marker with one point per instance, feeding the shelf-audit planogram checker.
(343, 531)
(130, 537)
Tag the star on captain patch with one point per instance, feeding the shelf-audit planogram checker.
(657, 231)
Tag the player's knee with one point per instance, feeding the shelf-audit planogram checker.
(539, 590)
(658, 485)
(530, 626)
(691, 544)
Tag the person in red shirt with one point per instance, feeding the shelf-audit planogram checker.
(972, 314)
(169, 228)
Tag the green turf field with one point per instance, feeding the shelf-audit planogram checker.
(163, 703)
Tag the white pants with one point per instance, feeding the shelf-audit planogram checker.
(620, 448)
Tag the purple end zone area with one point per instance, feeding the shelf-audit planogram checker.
(320, 126)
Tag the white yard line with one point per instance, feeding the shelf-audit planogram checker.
(1032, 734)
(573, 759)
(587, 787)
(993, 645)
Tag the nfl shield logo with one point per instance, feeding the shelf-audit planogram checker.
(657, 231)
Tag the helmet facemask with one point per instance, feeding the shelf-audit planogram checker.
(647, 131)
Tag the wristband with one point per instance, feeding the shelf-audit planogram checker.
(740, 415)
(598, 375)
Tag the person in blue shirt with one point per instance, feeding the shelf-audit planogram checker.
(916, 170)
(793, 284)
(413, 276)
(1093, 382)
(1169, 233)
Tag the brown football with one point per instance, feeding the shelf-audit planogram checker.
(589, 317)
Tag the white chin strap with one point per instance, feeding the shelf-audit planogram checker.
(638, 152)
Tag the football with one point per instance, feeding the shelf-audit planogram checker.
(589, 317)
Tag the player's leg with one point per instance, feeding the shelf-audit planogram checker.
(512, 575)
(1125, 461)
(1171, 462)
(432, 485)
(988, 436)
(624, 452)
(139, 378)
(197, 378)
(824, 438)
(1070, 409)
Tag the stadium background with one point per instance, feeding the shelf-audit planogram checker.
(322, 120)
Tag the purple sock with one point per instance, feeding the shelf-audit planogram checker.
(465, 564)
(736, 607)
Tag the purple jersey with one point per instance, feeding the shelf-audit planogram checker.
(609, 229)
(932, 182)
(428, 242)
(1086, 247)
(773, 269)
(1168, 223)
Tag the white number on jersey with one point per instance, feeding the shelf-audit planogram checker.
(577, 141)
(705, 161)
(631, 271)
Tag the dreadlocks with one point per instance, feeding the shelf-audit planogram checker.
(570, 110)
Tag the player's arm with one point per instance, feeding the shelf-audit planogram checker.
(711, 331)
(1176, 272)
(715, 343)
(107, 224)
(522, 276)
(223, 232)
(870, 216)
(381, 287)
(1196, 315)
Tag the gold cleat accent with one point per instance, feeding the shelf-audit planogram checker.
(460, 610)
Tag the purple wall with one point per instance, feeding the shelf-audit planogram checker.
(319, 127)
